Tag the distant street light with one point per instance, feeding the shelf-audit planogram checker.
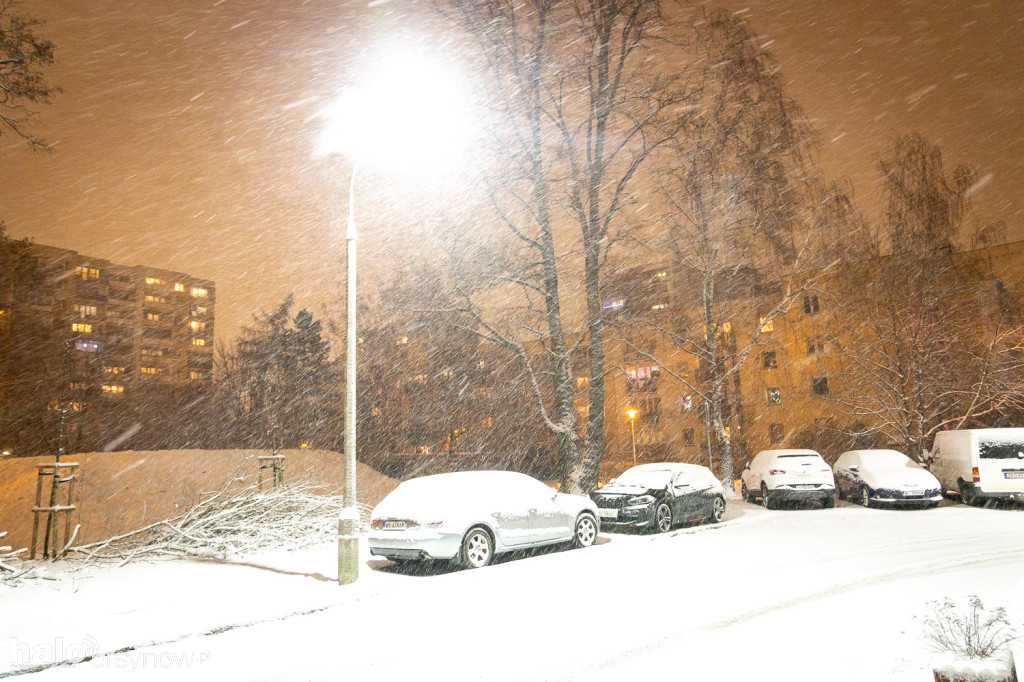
(405, 116)
(631, 413)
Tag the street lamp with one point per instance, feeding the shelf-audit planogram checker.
(404, 117)
(631, 413)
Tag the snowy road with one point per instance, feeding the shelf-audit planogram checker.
(795, 594)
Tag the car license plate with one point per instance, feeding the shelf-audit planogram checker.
(914, 493)
(608, 513)
(1013, 474)
(394, 525)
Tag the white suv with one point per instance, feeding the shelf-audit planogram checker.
(782, 475)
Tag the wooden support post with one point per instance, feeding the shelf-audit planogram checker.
(51, 545)
(276, 465)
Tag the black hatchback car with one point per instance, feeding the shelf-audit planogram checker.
(657, 497)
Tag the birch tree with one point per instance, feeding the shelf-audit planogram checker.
(736, 218)
(579, 108)
(934, 342)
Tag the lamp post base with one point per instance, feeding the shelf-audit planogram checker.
(348, 546)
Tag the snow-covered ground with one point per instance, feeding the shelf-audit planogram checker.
(793, 594)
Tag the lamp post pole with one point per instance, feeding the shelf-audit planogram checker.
(348, 521)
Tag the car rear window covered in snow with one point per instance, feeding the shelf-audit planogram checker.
(993, 449)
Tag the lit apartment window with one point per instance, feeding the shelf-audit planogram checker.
(402, 340)
(195, 374)
(155, 280)
(773, 396)
(113, 388)
(74, 384)
(152, 370)
(663, 273)
(766, 326)
(153, 352)
(685, 403)
(614, 303)
(178, 286)
(85, 310)
(376, 412)
(114, 370)
(487, 423)
(481, 364)
(199, 292)
(198, 342)
(87, 273)
(155, 299)
(81, 327)
(582, 381)
(197, 325)
(153, 317)
(447, 374)
(819, 385)
(88, 346)
(199, 310)
(659, 306)
(769, 360)
(811, 304)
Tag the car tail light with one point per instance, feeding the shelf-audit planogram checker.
(776, 472)
(976, 475)
(377, 524)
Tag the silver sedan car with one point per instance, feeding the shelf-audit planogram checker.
(471, 516)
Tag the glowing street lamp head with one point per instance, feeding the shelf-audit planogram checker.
(631, 413)
(407, 113)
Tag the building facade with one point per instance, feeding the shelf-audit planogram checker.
(143, 325)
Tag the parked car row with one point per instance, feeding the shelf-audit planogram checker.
(977, 464)
(472, 516)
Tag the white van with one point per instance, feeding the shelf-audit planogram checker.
(980, 464)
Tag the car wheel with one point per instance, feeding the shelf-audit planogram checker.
(765, 499)
(586, 531)
(839, 491)
(747, 497)
(477, 549)
(967, 494)
(663, 518)
(717, 510)
(865, 496)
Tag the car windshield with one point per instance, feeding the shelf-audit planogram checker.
(992, 448)
(647, 478)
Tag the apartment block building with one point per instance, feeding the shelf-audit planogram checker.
(780, 397)
(142, 325)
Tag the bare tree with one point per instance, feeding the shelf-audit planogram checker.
(22, 56)
(933, 341)
(737, 234)
(579, 109)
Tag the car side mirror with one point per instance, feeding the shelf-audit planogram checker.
(855, 468)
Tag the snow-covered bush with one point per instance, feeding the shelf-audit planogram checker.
(967, 632)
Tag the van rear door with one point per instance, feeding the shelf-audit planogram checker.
(1001, 460)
